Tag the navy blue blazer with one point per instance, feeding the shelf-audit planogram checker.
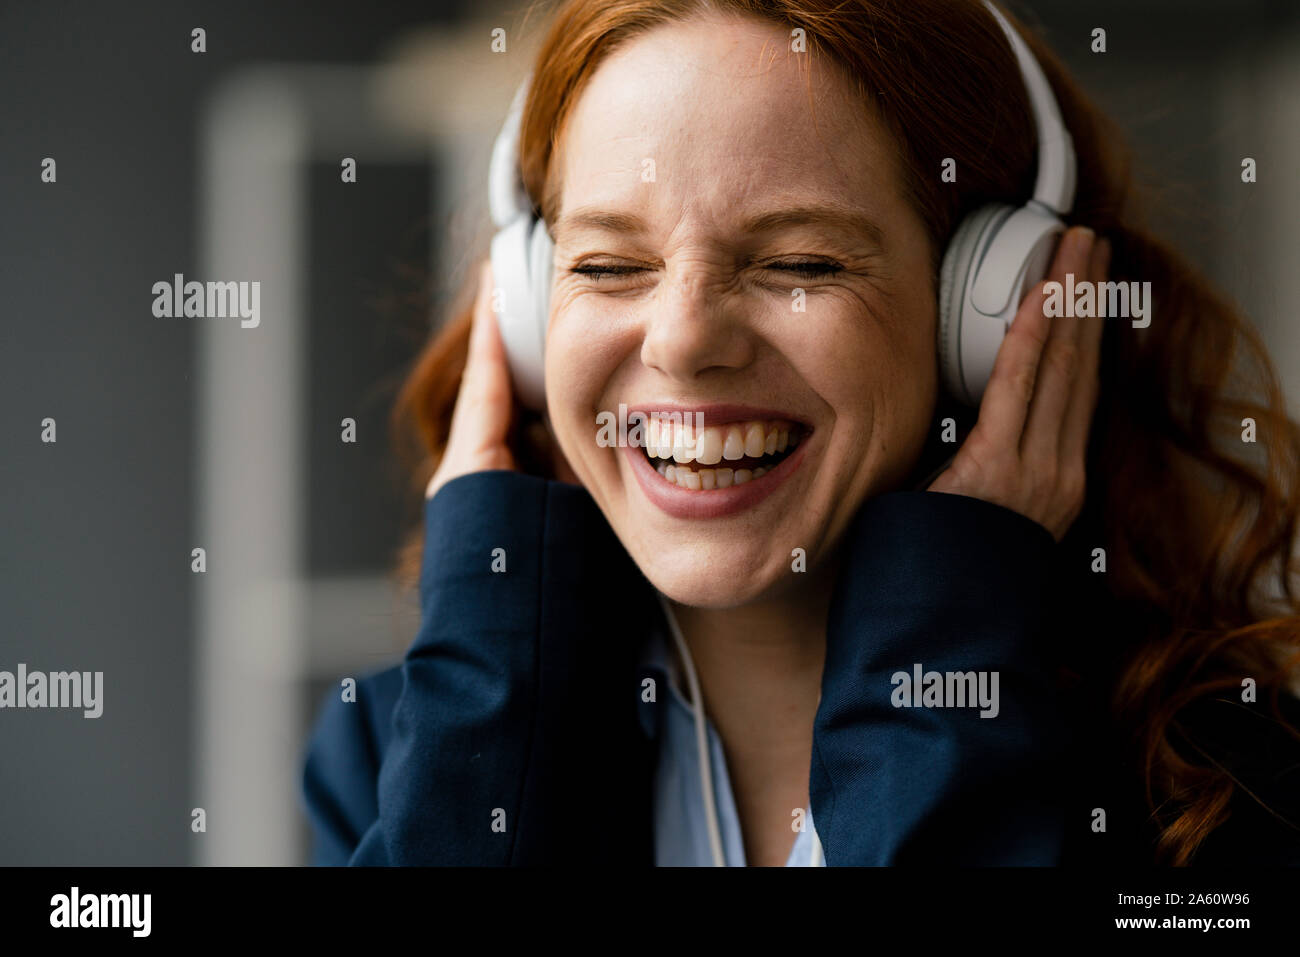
(518, 708)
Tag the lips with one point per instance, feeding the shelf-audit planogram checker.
(715, 461)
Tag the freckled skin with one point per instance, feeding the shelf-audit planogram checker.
(704, 314)
(725, 113)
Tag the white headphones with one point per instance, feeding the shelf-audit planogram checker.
(996, 255)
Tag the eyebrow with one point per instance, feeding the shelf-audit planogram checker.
(842, 217)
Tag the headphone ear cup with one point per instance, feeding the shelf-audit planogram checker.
(541, 272)
(513, 250)
(960, 261)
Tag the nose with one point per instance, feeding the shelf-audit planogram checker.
(695, 327)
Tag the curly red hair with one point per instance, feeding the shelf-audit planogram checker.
(1199, 533)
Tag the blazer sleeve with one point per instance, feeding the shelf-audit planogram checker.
(950, 584)
(338, 777)
(513, 710)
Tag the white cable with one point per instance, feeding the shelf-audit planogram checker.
(701, 738)
(815, 858)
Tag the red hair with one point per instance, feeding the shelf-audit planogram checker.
(1196, 531)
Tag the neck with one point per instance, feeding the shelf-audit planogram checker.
(760, 668)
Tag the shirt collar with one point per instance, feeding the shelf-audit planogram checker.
(657, 663)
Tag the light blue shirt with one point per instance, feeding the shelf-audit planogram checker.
(681, 830)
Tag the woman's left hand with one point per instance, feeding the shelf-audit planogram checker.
(1028, 448)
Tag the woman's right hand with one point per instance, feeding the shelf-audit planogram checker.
(481, 420)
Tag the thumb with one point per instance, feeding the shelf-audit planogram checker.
(480, 422)
(484, 403)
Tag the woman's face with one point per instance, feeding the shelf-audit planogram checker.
(764, 272)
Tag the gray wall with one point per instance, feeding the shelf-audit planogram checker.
(96, 530)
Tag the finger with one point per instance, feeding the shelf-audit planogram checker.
(1059, 366)
(486, 351)
(1078, 417)
(484, 401)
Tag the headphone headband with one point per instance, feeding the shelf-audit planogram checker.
(1054, 186)
(989, 264)
(507, 197)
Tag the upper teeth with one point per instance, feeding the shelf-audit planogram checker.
(681, 441)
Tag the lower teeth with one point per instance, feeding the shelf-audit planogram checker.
(708, 479)
(692, 475)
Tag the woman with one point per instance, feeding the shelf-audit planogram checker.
(1095, 559)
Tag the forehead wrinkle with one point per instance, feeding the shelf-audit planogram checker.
(598, 218)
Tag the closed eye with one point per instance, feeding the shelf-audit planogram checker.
(807, 270)
(599, 272)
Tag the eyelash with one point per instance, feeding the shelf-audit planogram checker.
(806, 270)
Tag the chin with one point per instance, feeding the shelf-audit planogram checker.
(715, 577)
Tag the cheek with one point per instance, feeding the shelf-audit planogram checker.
(582, 358)
(862, 365)
(902, 387)
(876, 373)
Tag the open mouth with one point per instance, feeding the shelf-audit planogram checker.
(718, 456)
